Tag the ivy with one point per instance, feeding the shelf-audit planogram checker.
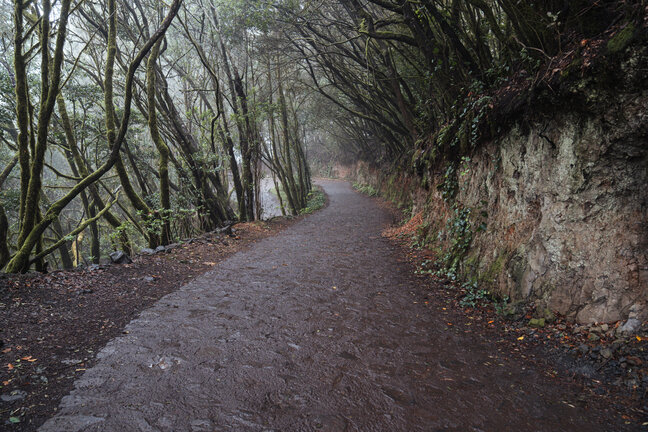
(460, 232)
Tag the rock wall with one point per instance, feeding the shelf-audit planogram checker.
(558, 210)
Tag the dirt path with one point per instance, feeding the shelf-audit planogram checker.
(312, 330)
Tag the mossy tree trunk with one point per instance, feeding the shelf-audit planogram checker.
(20, 260)
(162, 148)
(50, 80)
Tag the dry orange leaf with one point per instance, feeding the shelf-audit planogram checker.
(521, 338)
(10, 366)
(638, 338)
(6, 350)
(491, 322)
(5, 383)
(28, 358)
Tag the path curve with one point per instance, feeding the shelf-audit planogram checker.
(312, 330)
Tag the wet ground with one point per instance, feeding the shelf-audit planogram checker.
(312, 330)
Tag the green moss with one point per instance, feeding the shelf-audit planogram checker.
(495, 269)
(517, 267)
(471, 265)
(576, 64)
(537, 322)
(621, 40)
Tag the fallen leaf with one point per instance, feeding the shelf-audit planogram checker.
(6, 350)
(14, 419)
(10, 366)
(638, 338)
(521, 338)
(491, 322)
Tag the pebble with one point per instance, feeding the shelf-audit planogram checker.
(606, 353)
(13, 396)
(635, 361)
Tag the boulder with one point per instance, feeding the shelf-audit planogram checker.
(119, 257)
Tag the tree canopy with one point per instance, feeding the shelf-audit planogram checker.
(136, 123)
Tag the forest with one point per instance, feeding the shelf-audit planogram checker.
(478, 259)
(134, 124)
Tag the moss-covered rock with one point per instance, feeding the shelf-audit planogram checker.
(537, 322)
(621, 40)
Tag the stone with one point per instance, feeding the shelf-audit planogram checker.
(15, 395)
(537, 322)
(148, 278)
(160, 249)
(605, 327)
(513, 310)
(147, 251)
(583, 349)
(606, 353)
(630, 326)
(549, 316)
(593, 337)
(119, 257)
(635, 361)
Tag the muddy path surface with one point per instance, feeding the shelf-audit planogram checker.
(312, 330)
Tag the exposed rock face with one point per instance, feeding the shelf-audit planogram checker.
(565, 203)
(567, 214)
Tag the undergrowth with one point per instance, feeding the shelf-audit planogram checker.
(315, 201)
(366, 189)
